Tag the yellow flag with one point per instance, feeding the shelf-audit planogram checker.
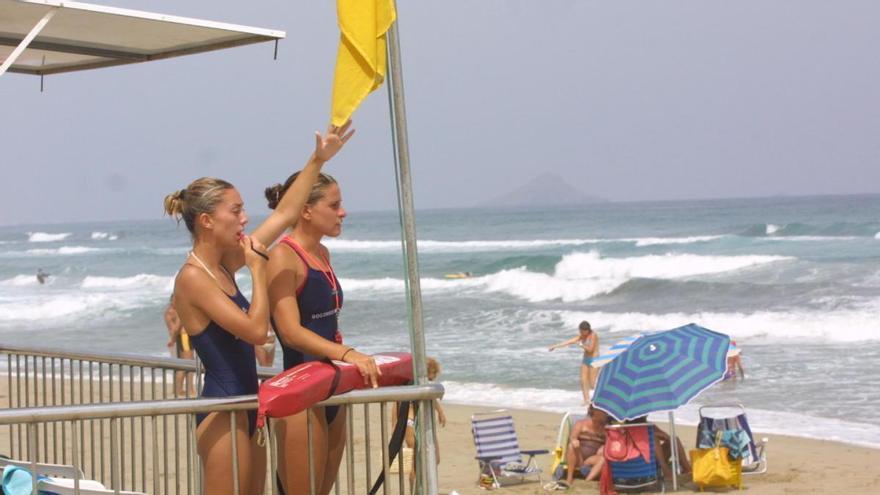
(360, 63)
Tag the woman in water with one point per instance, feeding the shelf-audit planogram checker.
(222, 325)
(305, 299)
(589, 341)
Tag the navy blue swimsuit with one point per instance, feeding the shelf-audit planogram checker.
(230, 364)
(317, 311)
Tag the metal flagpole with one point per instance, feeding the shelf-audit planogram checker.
(426, 453)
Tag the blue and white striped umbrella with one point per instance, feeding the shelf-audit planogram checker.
(661, 371)
(617, 348)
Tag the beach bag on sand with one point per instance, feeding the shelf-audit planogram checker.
(713, 467)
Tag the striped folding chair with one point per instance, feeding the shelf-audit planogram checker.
(498, 451)
(633, 461)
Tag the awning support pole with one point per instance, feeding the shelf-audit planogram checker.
(426, 450)
(27, 40)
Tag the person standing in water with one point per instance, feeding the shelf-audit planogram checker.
(305, 299)
(588, 340)
(223, 326)
(41, 276)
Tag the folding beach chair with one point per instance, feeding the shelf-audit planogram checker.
(86, 487)
(730, 419)
(631, 458)
(562, 443)
(498, 450)
(52, 470)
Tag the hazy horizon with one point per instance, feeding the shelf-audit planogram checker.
(663, 101)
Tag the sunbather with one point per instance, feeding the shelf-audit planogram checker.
(585, 448)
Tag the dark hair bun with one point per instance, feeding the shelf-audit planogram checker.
(273, 195)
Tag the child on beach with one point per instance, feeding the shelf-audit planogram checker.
(410, 436)
(223, 326)
(178, 345)
(588, 340)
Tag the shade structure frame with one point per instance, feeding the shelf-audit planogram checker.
(84, 36)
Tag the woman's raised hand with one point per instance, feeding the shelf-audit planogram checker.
(328, 145)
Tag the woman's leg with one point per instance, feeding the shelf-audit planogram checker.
(594, 374)
(585, 382)
(573, 461)
(215, 450)
(293, 453)
(336, 446)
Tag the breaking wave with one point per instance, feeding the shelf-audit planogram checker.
(46, 237)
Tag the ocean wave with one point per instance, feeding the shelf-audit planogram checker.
(850, 325)
(47, 237)
(562, 401)
(63, 250)
(100, 236)
(428, 245)
(142, 280)
(71, 307)
(836, 230)
(21, 281)
(653, 241)
(578, 276)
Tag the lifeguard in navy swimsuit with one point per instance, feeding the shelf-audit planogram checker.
(305, 300)
(223, 326)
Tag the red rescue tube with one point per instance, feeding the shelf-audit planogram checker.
(302, 386)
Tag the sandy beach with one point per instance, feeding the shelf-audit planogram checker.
(797, 465)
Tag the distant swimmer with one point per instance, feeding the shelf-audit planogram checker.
(459, 275)
(41, 276)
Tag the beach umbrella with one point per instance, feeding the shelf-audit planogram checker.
(613, 352)
(660, 372)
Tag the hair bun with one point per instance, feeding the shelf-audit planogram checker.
(273, 195)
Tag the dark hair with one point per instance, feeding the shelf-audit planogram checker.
(276, 192)
(585, 325)
(201, 196)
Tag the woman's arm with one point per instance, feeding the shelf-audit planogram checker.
(285, 275)
(200, 292)
(565, 343)
(289, 208)
(441, 414)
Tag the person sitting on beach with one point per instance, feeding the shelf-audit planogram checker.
(223, 326)
(664, 452)
(586, 447)
(179, 347)
(588, 340)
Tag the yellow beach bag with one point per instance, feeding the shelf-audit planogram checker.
(713, 467)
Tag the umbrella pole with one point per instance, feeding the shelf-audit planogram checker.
(673, 446)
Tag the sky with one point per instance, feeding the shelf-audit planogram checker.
(626, 100)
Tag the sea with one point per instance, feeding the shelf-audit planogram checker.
(794, 280)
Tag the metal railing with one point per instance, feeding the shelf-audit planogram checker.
(118, 419)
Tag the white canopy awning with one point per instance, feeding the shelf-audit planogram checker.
(72, 36)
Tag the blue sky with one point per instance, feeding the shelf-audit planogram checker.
(626, 100)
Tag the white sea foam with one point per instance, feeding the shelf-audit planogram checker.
(850, 325)
(771, 229)
(877, 235)
(652, 241)
(142, 280)
(64, 250)
(100, 236)
(21, 281)
(761, 421)
(578, 276)
(72, 307)
(47, 237)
